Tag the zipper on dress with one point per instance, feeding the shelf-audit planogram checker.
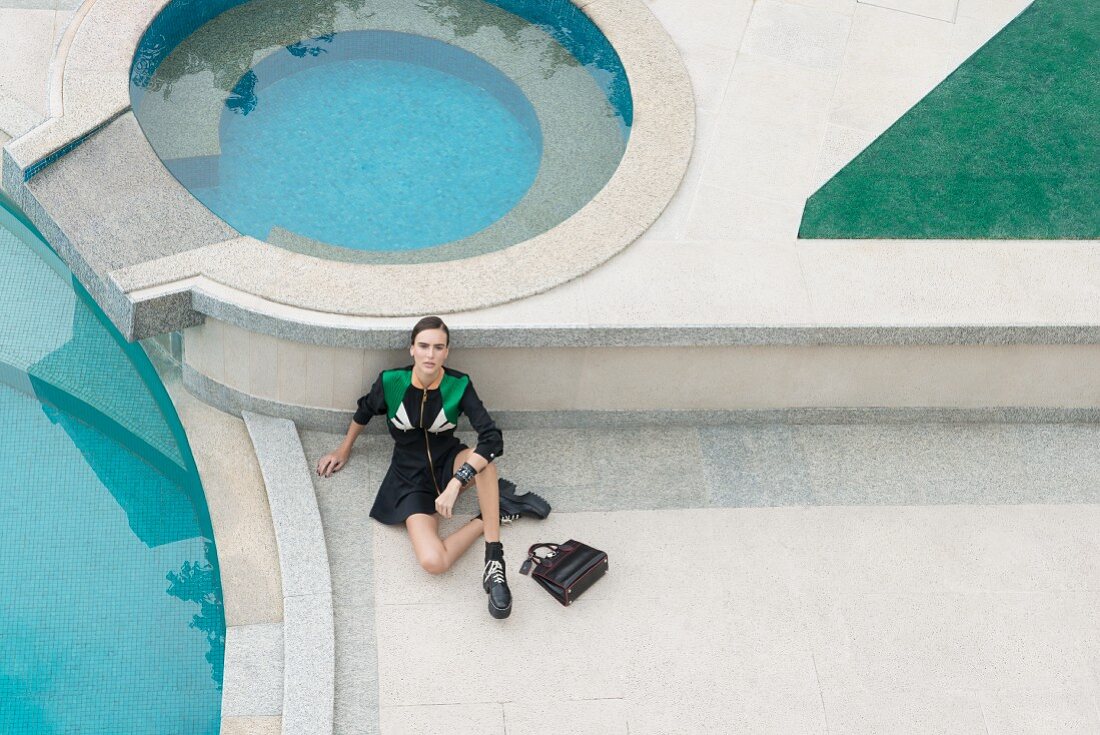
(427, 445)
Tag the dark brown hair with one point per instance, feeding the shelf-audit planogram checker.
(429, 322)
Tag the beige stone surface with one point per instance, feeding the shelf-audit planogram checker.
(530, 716)
(800, 616)
(458, 719)
(668, 378)
(945, 10)
(892, 60)
(252, 726)
(1053, 711)
(870, 711)
(239, 511)
(26, 44)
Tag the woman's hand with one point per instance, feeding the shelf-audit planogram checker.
(332, 462)
(445, 503)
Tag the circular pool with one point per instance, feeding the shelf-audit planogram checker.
(390, 132)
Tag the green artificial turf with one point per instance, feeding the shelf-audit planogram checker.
(1004, 148)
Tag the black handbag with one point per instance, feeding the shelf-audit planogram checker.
(565, 570)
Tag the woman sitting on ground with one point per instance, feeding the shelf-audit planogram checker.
(430, 466)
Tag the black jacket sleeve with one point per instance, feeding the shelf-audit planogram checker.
(372, 404)
(490, 442)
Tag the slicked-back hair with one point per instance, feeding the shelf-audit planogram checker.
(429, 322)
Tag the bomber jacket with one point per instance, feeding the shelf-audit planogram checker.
(422, 421)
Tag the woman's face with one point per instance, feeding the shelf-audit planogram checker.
(429, 350)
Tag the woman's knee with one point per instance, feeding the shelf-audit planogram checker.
(433, 562)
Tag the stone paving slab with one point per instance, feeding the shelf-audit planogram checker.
(309, 658)
(1039, 711)
(252, 726)
(581, 717)
(916, 464)
(303, 558)
(309, 671)
(458, 719)
(236, 497)
(868, 712)
(253, 681)
(349, 531)
(810, 616)
(883, 659)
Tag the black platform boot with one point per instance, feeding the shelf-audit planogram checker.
(515, 505)
(494, 583)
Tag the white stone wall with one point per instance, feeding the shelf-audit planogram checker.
(669, 378)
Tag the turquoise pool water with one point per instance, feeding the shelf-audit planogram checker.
(110, 611)
(323, 134)
(384, 131)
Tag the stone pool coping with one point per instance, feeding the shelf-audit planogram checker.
(309, 654)
(149, 292)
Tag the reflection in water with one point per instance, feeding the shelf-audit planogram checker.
(198, 582)
(156, 505)
(303, 172)
(242, 100)
(291, 23)
(310, 47)
(462, 18)
(227, 46)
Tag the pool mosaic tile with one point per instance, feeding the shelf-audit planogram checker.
(111, 617)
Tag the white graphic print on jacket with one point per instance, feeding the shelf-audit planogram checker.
(401, 421)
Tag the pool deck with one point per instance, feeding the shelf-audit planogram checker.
(785, 94)
(834, 579)
(798, 579)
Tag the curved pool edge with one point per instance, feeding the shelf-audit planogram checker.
(42, 167)
(64, 404)
(234, 511)
(33, 239)
(252, 575)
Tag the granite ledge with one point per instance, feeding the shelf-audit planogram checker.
(369, 334)
(331, 421)
(303, 556)
(308, 628)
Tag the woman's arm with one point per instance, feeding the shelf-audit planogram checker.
(372, 404)
(335, 461)
(490, 442)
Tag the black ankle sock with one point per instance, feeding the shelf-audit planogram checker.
(494, 550)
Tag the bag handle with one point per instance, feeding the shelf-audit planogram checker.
(535, 557)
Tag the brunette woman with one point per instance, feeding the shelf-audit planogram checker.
(430, 466)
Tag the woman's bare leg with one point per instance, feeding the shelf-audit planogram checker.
(437, 555)
(488, 495)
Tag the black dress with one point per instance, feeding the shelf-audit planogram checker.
(422, 424)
